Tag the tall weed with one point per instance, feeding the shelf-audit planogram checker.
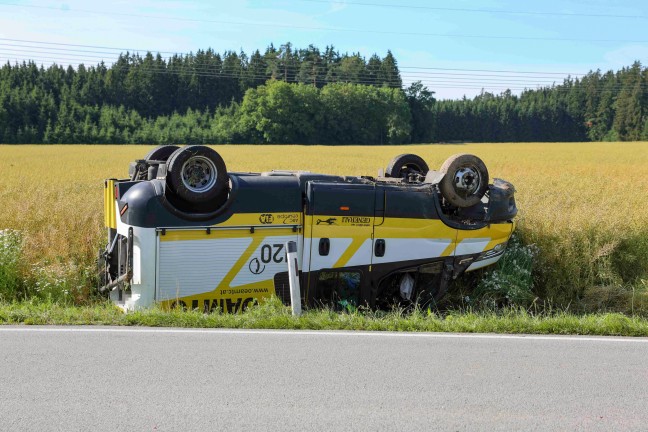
(511, 282)
(62, 282)
(591, 269)
(11, 246)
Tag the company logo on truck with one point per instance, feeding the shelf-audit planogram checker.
(283, 218)
(266, 218)
(256, 267)
(356, 220)
(231, 305)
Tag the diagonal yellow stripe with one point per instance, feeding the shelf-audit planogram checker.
(349, 252)
(243, 259)
(450, 249)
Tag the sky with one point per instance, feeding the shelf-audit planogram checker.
(456, 48)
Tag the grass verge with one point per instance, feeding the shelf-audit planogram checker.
(273, 315)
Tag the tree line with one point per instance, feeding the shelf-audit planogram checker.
(610, 106)
(287, 95)
(276, 112)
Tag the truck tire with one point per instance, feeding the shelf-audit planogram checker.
(465, 181)
(197, 176)
(403, 165)
(161, 153)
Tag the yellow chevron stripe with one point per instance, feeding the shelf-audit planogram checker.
(350, 251)
(243, 259)
(449, 250)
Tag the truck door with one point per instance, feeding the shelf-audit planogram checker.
(340, 217)
(410, 232)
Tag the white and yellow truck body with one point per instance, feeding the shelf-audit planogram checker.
(358, 240)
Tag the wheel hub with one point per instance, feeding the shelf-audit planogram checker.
(467, 180)
(199, 174)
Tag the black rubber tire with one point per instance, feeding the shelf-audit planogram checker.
(403, 165)
(448, 185)
(161, 153)
(195, 199)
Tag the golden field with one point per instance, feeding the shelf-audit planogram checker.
(584, 204)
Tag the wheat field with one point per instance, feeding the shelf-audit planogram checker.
(585, 205)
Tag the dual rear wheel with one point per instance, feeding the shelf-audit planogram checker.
(196, 176)
(465, 179)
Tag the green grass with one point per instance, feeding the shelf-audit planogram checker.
(10, 264)
(273, 315)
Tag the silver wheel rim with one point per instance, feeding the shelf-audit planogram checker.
(467, 181)
(199, 174)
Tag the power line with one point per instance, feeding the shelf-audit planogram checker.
(489, 88)
(319, 72)
(61, 55)
(211, 73)
(131, 50)
(48, 48)
(542, 77)
(81, 58)
(87, 46)
(491, 70)
(493, 11)
(334, 29)
(433, 84)
(215, 74)
(509, 78)
(432, 78)
(363, 79)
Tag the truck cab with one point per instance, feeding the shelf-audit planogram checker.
(371, 241)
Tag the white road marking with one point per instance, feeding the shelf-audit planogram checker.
(345, 333)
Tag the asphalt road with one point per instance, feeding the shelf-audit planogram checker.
(160, 380)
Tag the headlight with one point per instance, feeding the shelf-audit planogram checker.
(497, 250)
(500, 247)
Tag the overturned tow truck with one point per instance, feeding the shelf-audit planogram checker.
(182, 231)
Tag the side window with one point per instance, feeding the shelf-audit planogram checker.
(339, 288)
